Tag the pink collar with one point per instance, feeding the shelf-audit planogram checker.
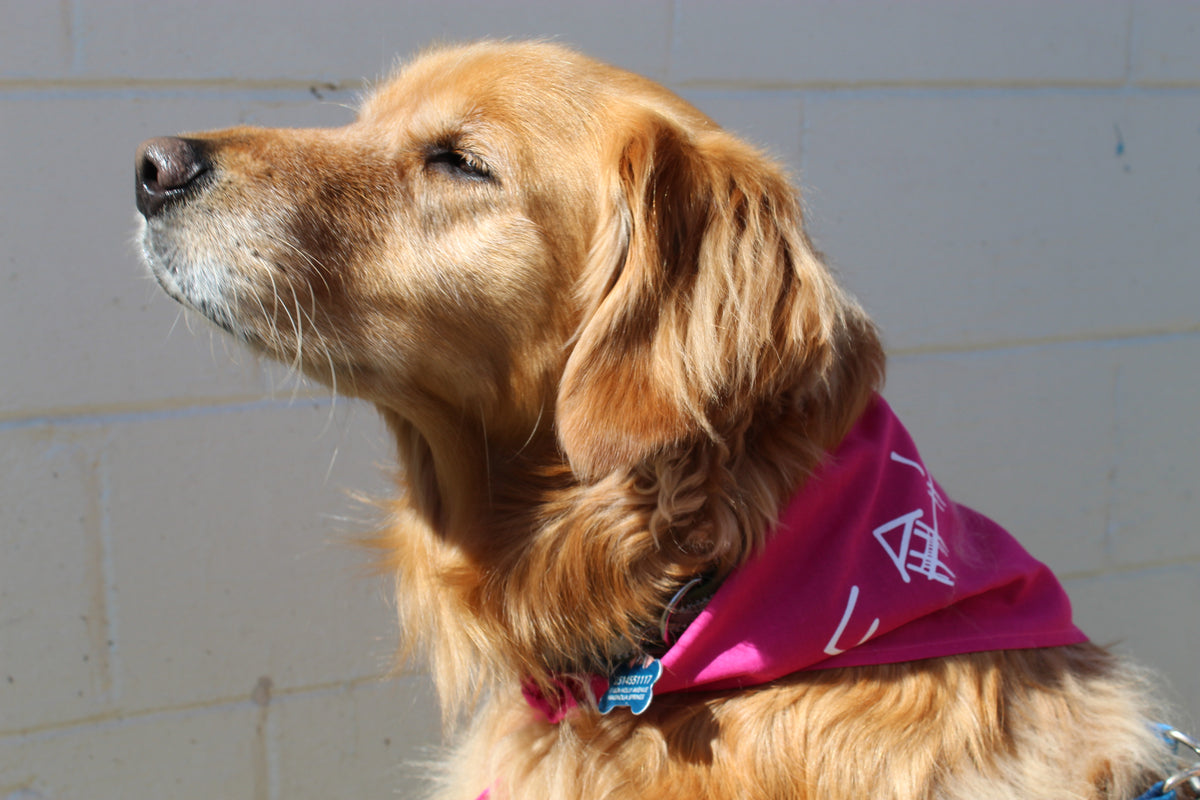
(871, 563)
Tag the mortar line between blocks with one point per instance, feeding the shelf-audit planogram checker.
(1130, 33)
(101, 417)
(673, 37)
(274, 745)
(1114, 339)
(1131, 571)
(75, 22)
(1112, 526)
(110, 719)
(108, 569)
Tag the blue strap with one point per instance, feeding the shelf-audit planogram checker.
(1156, 793)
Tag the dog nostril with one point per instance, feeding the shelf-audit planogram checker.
(165, 169)
(149, 173)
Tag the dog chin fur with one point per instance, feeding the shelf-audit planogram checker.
(608, 353)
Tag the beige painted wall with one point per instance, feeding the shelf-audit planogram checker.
(1012, 188)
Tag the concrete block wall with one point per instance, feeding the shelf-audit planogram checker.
(1012, 189)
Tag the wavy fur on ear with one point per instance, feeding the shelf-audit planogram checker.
(707, 300)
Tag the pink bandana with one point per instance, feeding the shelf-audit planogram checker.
(871, 564)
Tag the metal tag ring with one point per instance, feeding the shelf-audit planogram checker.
(1189, 777)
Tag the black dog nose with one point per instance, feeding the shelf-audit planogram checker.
(166, 169)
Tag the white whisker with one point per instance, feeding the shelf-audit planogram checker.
(533, 431)
(332, 459)
(298, 361)
(178, 316)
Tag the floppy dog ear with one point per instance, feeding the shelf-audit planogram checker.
(703, 299)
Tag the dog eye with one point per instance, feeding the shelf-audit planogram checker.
(458, 162)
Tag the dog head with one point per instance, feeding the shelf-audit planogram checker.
(514, 233)
(591, 317)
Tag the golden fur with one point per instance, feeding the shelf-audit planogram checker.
(608, 352)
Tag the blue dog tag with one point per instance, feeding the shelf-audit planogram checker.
(631, 685)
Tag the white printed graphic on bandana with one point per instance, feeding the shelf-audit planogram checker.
(913, 544)
(832, 649)
(910, 557)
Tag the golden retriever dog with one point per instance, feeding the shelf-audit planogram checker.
(610, 357)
